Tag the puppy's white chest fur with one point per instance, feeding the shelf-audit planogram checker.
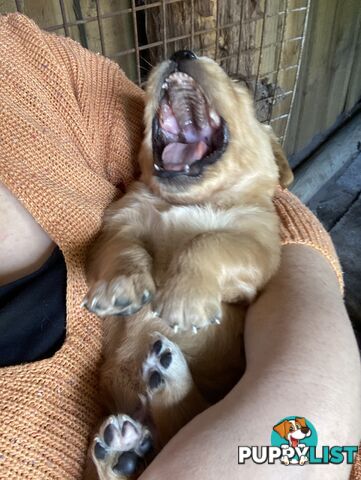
(185, 222)
(168, 229)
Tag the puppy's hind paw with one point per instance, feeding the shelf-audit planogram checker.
(186, 306)
(164, 366)
(119, 447)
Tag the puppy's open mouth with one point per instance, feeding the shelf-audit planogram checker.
(295, 442)
(187, 132)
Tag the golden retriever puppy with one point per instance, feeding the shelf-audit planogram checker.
(178, 256)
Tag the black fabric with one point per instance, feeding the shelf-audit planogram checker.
(33, 314)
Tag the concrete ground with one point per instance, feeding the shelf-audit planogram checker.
(337, 204)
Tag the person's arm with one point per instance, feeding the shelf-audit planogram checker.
(302, 359)
(24, 245)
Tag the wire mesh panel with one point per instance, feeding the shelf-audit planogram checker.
(259, 42)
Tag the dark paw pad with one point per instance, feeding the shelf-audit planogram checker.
(99, 451)
(109, 433)
(127, 464)
(157, 347)
(166, 359)
(146, 446)
(155, 380)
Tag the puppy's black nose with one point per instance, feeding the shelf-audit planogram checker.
(183, 55)
(305, 430)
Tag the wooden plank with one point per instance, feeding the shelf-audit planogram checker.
(248, 56)
(117, 30)
(336, 197)
(328, 160)
(178, 23)
(312, 76)
(88, 34)
(118, 34)
(44, 14)
(323, 84)
(344, 41)
(297, 4)
(260, 25)
(7, 6)
(346, 237)
(354, 87)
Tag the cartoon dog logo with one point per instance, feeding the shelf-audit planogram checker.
(293, 431)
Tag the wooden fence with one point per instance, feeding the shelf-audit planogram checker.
(302, 82)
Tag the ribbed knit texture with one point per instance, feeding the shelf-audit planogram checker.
(299, 225)
(70, 127)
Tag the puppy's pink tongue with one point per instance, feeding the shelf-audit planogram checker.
(176, 156)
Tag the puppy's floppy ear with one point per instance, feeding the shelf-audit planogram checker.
(301, 421)
(285, 172)
(282, 428)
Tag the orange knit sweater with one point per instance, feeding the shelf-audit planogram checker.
(70, 126)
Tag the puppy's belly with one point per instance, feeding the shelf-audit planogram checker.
(214, 355)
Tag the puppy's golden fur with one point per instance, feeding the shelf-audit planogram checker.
(192, 250)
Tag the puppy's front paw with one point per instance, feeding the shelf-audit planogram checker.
(119, 447)
(303, 460)
(189, 305)
(123, 295)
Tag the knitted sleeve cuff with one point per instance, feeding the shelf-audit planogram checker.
(300, 226)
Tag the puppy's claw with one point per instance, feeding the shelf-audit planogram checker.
(84, 303)
(93, 304)
(216, 319)
(175, 328)
(146, 297)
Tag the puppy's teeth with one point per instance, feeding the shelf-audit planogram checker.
(215, 117)
(187, 168)
(175, 328)
(155, 314)
(156, 167)
(194, 329)
(165, 86)
(218, 322)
